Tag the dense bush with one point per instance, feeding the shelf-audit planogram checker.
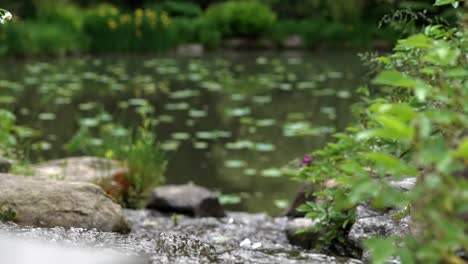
(59, 12)
(242, 18)
(316, 32)
(195, 30)
(416, 125)
(177, 8)
(111, 30)
(38, 38)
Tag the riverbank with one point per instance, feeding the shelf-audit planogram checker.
(64, 29)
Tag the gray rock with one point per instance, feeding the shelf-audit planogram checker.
(404, 184)
(192, 240)
(79, 169)
(5, 165)
(190, 50)
(293, 42)
(381, 223)
(297, 234)
(248, 43)
(374, 223)
(186, 199)
(49, 203)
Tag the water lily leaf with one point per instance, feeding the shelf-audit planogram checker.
(177, 106)
(271, 173)
(265, 122)
(200, 145)
(197, 113)
(264, 147)
(180, 136)
(234, 164)
(281, 204)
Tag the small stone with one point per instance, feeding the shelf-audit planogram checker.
(294, 42)
(190, 50)
(5, 165)
(245, 243)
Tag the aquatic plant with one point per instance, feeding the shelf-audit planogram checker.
(137, 149)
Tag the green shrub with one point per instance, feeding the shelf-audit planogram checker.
(416, 125)
(36, 38)
(59, 12)
(110, 30)
(197, 30)
(315, 32)
(241, 18)
(178, 8)
(309, 30)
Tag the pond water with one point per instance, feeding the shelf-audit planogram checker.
(228, 121)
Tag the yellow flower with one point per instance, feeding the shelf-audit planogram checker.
(114, 11)
(112, 24)
(125, 18)
(165, 19)
(102, 12)
(150, 14)
(138, 13)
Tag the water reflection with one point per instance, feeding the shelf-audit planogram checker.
(229, 121)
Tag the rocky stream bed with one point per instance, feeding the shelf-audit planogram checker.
(72, 220)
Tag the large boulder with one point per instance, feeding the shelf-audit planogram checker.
(79, 169)
(50, 203)
(111, 175)
(186, 199)
(5, 165)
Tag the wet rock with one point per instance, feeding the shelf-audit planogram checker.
(405, 184)
(376, 223)
(50, 203)
(293, 42)
(5, 165)
(190, 50)
(298, 235)
(111, 175)
(304, 194)
(249, 43)
(372, 222)
(236, 238)
(193, 240)
(186, 199)
(79, 169)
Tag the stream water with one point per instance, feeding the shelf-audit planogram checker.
(228, 121)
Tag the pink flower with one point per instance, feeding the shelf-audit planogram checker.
(306, 161)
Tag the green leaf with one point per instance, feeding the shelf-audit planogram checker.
(393, 128)
(462, 150)
(394, 78)
(416, 41)
(390, 164)
(445, 2)
(381, 249)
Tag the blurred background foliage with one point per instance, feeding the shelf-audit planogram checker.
(78, 26)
